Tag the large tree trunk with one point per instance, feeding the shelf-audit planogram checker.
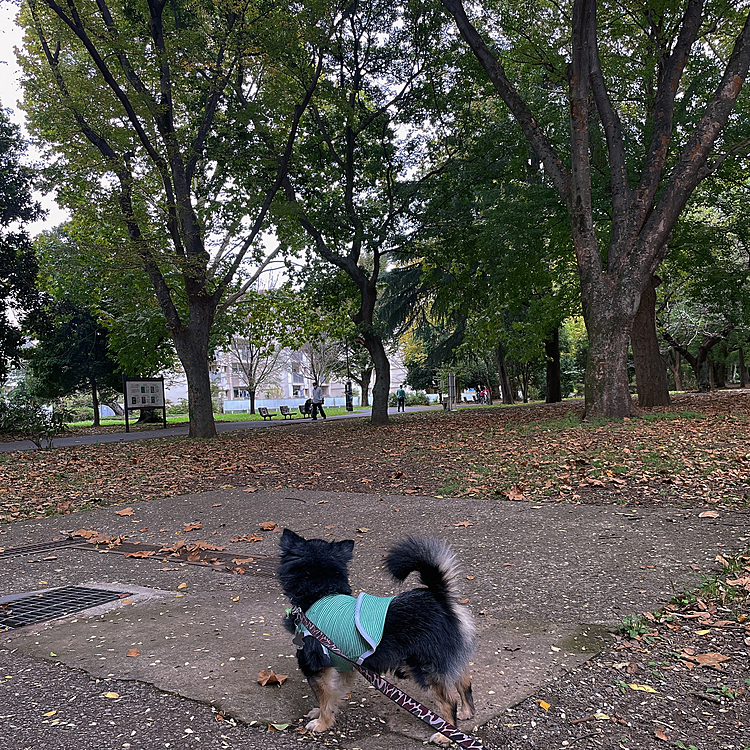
(374, 344)
(552, 351)
(191, 344)
(650, 370)
(252, 401)
(608, 313)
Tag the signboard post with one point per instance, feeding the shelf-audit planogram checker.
(144, 393)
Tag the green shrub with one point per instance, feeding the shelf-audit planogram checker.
(33, 421)
(80, 414)
(419, 398)
(181, 407)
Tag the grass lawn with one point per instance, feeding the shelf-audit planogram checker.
(235, 417)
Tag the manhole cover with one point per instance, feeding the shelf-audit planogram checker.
(27, 609)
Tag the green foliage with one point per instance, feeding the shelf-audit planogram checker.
(633, 626)
(420, 398)
(70, 353)
(181, 407)
(29, 419)
(18, 293)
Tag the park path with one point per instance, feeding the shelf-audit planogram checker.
(545, 583)
(179, 431)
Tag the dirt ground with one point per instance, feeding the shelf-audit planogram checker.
(679, 678)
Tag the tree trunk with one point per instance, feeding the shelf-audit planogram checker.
(552, 352)
(676, 367)
(252, 401)
(608, 314)
(743, 369)
(116, 408)
(650, 370)
(374, 344)
(506, 392)
(95, 399)
(191, 344)
(363, 381)
(149, 416)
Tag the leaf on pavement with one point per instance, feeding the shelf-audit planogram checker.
(267, 525)
(133, 652)
(124, 512)
(269, 677)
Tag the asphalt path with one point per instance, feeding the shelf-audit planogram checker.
(181, 430)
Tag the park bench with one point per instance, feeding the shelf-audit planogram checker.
(286, 412)
(305, 410)
(263, 411)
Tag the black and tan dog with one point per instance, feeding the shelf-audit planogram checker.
(423, 633)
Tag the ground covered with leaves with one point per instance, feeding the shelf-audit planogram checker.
(675, 678)
(693, 452)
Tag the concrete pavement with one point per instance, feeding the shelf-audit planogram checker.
(545, 583)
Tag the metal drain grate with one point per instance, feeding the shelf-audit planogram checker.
(28, 609)
(30, 549)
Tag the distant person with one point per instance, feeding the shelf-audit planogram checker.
(400, 399)
(317, 401)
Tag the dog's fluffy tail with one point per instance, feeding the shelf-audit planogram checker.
(432, 559)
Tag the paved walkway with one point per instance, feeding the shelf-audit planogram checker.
(543, 581)
(182, 429)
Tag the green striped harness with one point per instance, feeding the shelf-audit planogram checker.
(354, 625)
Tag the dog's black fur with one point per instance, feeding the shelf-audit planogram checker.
(427, 635)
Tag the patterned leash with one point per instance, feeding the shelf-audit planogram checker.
(414, 707)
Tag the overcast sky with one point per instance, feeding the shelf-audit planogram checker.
(10, 93)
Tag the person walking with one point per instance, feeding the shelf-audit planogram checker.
(400, 399)
(317, 401)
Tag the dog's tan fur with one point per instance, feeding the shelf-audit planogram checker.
(330, 688)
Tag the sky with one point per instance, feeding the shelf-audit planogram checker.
(10, 93)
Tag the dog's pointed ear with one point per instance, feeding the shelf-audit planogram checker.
(289, 540)
(345, 549)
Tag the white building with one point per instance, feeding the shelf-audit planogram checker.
(290, 387)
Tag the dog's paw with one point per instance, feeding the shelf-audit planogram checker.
(318, 725)
(313, 713)
(439, 739)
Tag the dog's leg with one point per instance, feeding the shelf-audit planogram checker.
(329, 687)
(467, 700)
(447, 699)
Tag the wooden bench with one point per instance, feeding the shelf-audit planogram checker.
(286, 412)
(263, 411)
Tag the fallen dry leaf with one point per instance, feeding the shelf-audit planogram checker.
(124, 512)
(269, 677)
(267, 525)
(133, 652)
(193, 526)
